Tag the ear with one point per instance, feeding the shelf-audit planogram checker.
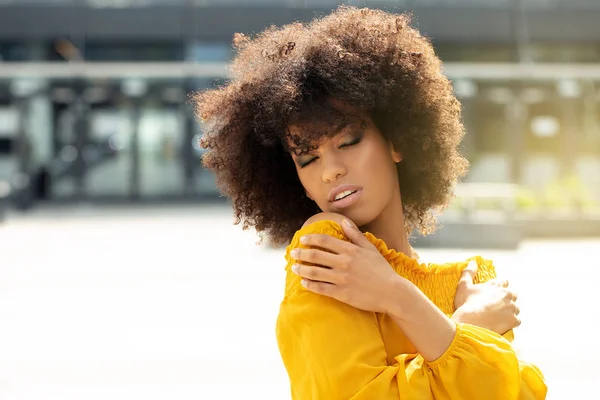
(395, 154)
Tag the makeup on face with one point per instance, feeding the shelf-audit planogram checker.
(345, 195)
(350, 136)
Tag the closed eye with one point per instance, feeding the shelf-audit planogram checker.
(352, 143)
(304, 164)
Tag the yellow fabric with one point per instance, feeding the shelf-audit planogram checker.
(334, 351)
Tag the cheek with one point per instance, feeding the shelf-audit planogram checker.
(307, 180)
(378, 161)
(382, 170)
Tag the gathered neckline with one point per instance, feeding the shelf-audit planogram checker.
(400, 260)
(402, 263)
(436, 281)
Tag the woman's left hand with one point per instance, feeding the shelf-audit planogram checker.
(491, 305)
(354, 273)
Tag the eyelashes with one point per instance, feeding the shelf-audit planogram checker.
(351, 143)
(307, 163)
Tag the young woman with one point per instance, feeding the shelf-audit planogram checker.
(340, 137)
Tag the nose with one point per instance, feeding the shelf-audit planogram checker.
(333, 168)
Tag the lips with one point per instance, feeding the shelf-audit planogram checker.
(346, 194)
(341, 189)
(346, 199)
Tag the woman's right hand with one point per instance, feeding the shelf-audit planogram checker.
(491, 305)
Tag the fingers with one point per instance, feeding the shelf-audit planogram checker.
(468, 274)
(314, 273)
(500, 283)
(517, 322)
(326, 242)
(318, 287)
(314, 256)
(354, 234)
(510, 293)
(517, 310)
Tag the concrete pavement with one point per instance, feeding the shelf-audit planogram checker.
(181, 304)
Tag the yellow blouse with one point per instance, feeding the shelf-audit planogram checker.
(334, 351)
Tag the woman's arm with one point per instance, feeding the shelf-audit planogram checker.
(425, 325)
(490, 304)
(333, 350)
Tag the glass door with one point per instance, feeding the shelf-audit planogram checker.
(161, 140)
(109, 155)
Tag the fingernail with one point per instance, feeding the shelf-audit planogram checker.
(294, 253)
(303, 239)
(295, 269)
(303, 282)
(348, 224)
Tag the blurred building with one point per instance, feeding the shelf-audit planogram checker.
(93, 93)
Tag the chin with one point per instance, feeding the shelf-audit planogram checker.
(360, 217)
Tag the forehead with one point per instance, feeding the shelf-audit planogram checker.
(319, 110)
(313, 134)
(319, 120)
(317, 129)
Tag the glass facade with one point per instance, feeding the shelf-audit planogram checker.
(118, 50)
(477, 52)
(14, 51)
(137, 138)
(531, 4)
(131, 134)
(109, 139)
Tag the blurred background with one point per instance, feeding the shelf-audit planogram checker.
(114, 273)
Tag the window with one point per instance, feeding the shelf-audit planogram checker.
(457, 52)
(13, 51)
(565, 52)
(209, 52)
(134, 51)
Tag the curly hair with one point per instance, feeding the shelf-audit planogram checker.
(370, 60)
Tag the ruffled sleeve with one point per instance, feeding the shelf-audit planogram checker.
(325, 227)
(334, 351)
(480, 364)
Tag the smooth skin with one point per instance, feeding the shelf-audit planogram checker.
(356, 273)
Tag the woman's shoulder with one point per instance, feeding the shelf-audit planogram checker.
(327, 223)
(325, 218)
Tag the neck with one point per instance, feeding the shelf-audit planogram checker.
(389, 226)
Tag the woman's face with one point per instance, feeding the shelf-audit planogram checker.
(352, 173)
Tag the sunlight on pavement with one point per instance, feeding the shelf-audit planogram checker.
(181, 304)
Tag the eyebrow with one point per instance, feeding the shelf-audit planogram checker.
(300, 151)
(338, 128)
